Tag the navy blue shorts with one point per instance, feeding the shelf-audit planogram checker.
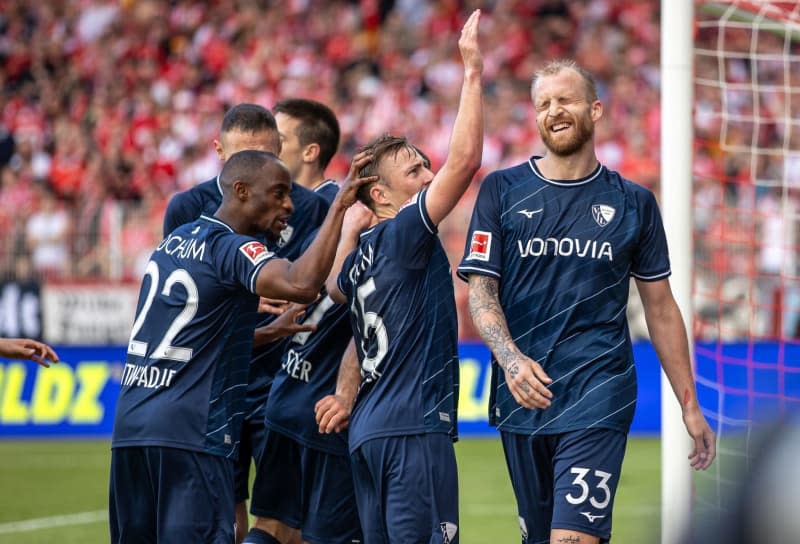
(307, 489)
(250, 444)
(409, 483)
(159, 494)
(565, 481)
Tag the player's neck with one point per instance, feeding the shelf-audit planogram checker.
(575, 166)
(310, 178)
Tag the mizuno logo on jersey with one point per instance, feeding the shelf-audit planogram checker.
(602, 214)
(255, 251)
(480, 246)
(592, 517)
(531, 213)
(565, 247)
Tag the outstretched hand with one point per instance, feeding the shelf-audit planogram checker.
(468, 43)
(347, 194)
(25, 348)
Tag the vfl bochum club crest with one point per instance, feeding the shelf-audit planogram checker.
(602, 214)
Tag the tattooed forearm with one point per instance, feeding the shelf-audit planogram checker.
(569, 539)
(488, 317)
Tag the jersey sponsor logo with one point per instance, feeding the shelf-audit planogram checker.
(183, 248)
(603, 214)
(148, 376)
(565, 247)
(449, 531)
(480, 246)
(286, 235)
(255, 251)
(530, 213)
(592, 517)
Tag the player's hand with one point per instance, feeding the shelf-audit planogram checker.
(272, 306)
(332, 414)
(527, 381)
(468, 44)
(25, 348)
(357, 218)
(705, 442)
(286, 324)
(347, 193)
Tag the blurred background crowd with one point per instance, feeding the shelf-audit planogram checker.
(110, 107)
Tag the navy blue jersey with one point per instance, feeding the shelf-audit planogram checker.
(185, 375)
(563, 252)
(400, 291)
(309, 212)
(308, 372)
(327, 190)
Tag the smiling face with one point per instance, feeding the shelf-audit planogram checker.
(565, 112)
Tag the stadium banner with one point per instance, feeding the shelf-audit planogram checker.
(78, 396)
(88, 315)
(20, 310)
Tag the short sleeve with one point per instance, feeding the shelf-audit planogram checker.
(483, 252)
(241, 258)
(409, 237)
(651, 258)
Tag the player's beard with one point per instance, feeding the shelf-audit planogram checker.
(582, 133)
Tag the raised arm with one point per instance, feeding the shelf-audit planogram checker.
(668, 334)
(526, 379)
(301, 280)
(466, 141)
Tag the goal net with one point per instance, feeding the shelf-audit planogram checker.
(746, 203)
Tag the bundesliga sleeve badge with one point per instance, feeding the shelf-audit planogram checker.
(480, 246)
(255, 251)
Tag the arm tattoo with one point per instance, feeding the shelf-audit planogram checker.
(569, 539)
(488, 317)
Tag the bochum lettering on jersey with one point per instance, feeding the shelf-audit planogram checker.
(183, 248)
(565, 247)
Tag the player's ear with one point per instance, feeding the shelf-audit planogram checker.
(241, 190)
(597, 110)
(377, 194)
(219, 150)
(311, 153)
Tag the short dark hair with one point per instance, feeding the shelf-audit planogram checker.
(249, 118)
(245, 166)
(379, 148)
(318, 125)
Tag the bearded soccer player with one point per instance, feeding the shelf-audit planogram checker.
(551, 247)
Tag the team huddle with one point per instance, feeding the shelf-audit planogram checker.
(310, 326)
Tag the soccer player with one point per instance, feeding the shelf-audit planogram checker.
(309, 133)
(550, 249)
(182, 400)
(250, 126)
(295, 455)
(25, 348)
(400, 291)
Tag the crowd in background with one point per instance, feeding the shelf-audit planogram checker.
(110, 107)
